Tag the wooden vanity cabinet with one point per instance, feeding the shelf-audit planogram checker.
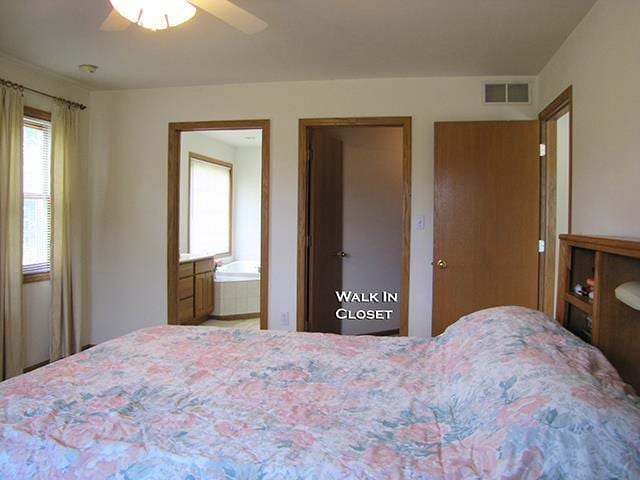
(195, 291)
(203, 299)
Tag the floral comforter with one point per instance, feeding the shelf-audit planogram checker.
(504, 393)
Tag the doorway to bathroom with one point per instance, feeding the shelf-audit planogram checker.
(555, 206)
(218, 197)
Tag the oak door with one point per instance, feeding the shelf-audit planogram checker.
(487, 184)
(325, 232)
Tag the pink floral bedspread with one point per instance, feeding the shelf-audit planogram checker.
(504, 393)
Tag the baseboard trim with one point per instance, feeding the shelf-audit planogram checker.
(46, 362)
(384, 333)
(35, 367)
(241, 316)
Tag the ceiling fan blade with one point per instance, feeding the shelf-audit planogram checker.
(115, 23)
(232, 14)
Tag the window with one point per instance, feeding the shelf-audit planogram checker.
(209, 205)
(36, 190)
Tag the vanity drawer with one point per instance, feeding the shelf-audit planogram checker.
(185, 270)
(185, 311)
(185, 288)
(203, 266)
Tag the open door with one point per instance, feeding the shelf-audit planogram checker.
(487, 187)
(325, 232)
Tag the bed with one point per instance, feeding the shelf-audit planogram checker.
(503, 393)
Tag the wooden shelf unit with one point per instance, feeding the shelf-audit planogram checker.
(615, 327)
(579, 302)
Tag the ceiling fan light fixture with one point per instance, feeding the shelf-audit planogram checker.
(155, 14)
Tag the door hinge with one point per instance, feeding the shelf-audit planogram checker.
(310, 154)
(541, 246)
(309, 240)
(543, 150)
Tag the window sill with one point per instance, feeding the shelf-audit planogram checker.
(36, 277)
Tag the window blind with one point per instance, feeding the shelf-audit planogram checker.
(210, 208)
(36, 174)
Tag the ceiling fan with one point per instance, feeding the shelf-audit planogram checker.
(163, 14)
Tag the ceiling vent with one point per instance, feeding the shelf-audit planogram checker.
(507, 93)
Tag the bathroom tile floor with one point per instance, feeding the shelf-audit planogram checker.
(249, 324)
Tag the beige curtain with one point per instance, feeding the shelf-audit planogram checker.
(64, 311)
(11, 339)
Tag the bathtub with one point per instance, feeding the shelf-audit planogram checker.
(241, 269)
(237, 290)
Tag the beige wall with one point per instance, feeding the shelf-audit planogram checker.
(128, 180)
(247, 181)
(601, 60)
(37, 296)
(372, 220)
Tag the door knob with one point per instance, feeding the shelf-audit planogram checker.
(342, 254)
(441, 264)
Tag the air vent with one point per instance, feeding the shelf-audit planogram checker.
(507, 93)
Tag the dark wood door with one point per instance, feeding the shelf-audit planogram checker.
(486, 225)
(325, 231)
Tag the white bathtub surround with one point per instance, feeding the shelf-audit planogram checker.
(236, 296)
(237, 290)
(246, 324)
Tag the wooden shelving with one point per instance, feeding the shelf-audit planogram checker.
(605, 322)
(579, 302)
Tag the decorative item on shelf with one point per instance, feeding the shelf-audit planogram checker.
(583, 291)
(591, 283)
(586, 332)
(589, 322)
(629, 294)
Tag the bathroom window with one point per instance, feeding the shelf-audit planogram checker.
(36, 196)
(209, 205)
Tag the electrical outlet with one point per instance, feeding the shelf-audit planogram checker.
(420, 222)
(284, 319)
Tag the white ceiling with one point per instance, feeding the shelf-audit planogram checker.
(305, 40)
(236, 138)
